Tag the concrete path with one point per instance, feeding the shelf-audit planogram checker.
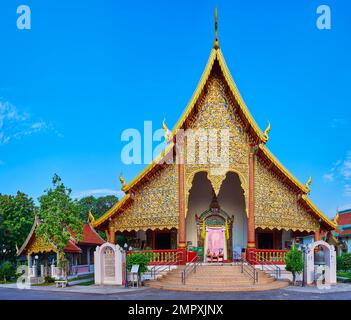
(154, 294)
(93, 289)
(340, 287)
(11, 292)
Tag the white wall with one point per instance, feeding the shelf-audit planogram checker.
(199, 201)
(231, 199)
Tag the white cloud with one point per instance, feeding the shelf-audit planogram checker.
(98, 193)
(347, 190)
(345, 169)
(15, 124)
(329, 177)
(345, 207)
(338, 122)
(39, 125)
(341, 171)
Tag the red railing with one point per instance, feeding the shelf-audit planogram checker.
(266, 256)
(159, 256)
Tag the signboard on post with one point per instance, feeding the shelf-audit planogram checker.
(135, 268)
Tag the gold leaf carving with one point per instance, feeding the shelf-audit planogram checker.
(155, 204)
(276, 206)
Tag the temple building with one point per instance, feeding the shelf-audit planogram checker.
(188, 200)
(343, 230)
(42, 256)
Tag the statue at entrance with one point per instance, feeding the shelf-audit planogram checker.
(214, 233)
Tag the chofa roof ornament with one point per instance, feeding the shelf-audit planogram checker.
(308, 184)
(168, 134)
(123, 182)
(266, 133)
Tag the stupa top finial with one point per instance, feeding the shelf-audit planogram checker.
(216, 41)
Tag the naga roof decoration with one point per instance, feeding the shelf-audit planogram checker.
(253, 129)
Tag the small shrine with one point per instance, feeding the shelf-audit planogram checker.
(42, 256)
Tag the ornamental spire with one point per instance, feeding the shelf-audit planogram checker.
(123, 182)
(308, 184)
(266, 133)
(168, 134)
(216, 41)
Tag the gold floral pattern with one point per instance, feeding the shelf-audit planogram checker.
(276, 206)
(217, 117)
(155, 204)
(40, 245)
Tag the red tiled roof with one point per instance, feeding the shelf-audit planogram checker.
(71, 247)
(344, 218)
(90, 236)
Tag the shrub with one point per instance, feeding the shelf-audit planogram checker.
(294, 261)
(343, 262)
(137, 258)
(7, 271)
(49, 279)
(340, 263)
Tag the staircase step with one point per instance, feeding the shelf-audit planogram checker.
(215, 277)
(213, 288)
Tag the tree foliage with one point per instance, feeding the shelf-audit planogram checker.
(343, 262)
(59, 216)
(16, 220)
(138, 258)
(7, 271)
(294, 261)
(98, 206)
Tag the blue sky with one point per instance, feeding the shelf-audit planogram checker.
(87, 70)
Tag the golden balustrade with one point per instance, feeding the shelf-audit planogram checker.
(157, 256)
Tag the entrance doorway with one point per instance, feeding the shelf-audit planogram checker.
(265, 240)
(162, 240)
(225, 210)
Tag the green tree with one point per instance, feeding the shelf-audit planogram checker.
(16, 220)
(294, 261)
(138, 258)
(98, 206)
(59, 218)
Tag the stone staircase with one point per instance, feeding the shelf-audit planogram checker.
(216, 278)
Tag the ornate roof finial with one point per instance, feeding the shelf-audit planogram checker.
(308, 184)
(335, 220)
(216, 42)
(168, 134)
(91, 217)
(266, 132)
(124, 185)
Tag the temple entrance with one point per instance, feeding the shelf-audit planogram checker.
(265, 240)
(216, 226)
(162, 240)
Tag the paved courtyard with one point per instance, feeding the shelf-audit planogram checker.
(339, 292)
